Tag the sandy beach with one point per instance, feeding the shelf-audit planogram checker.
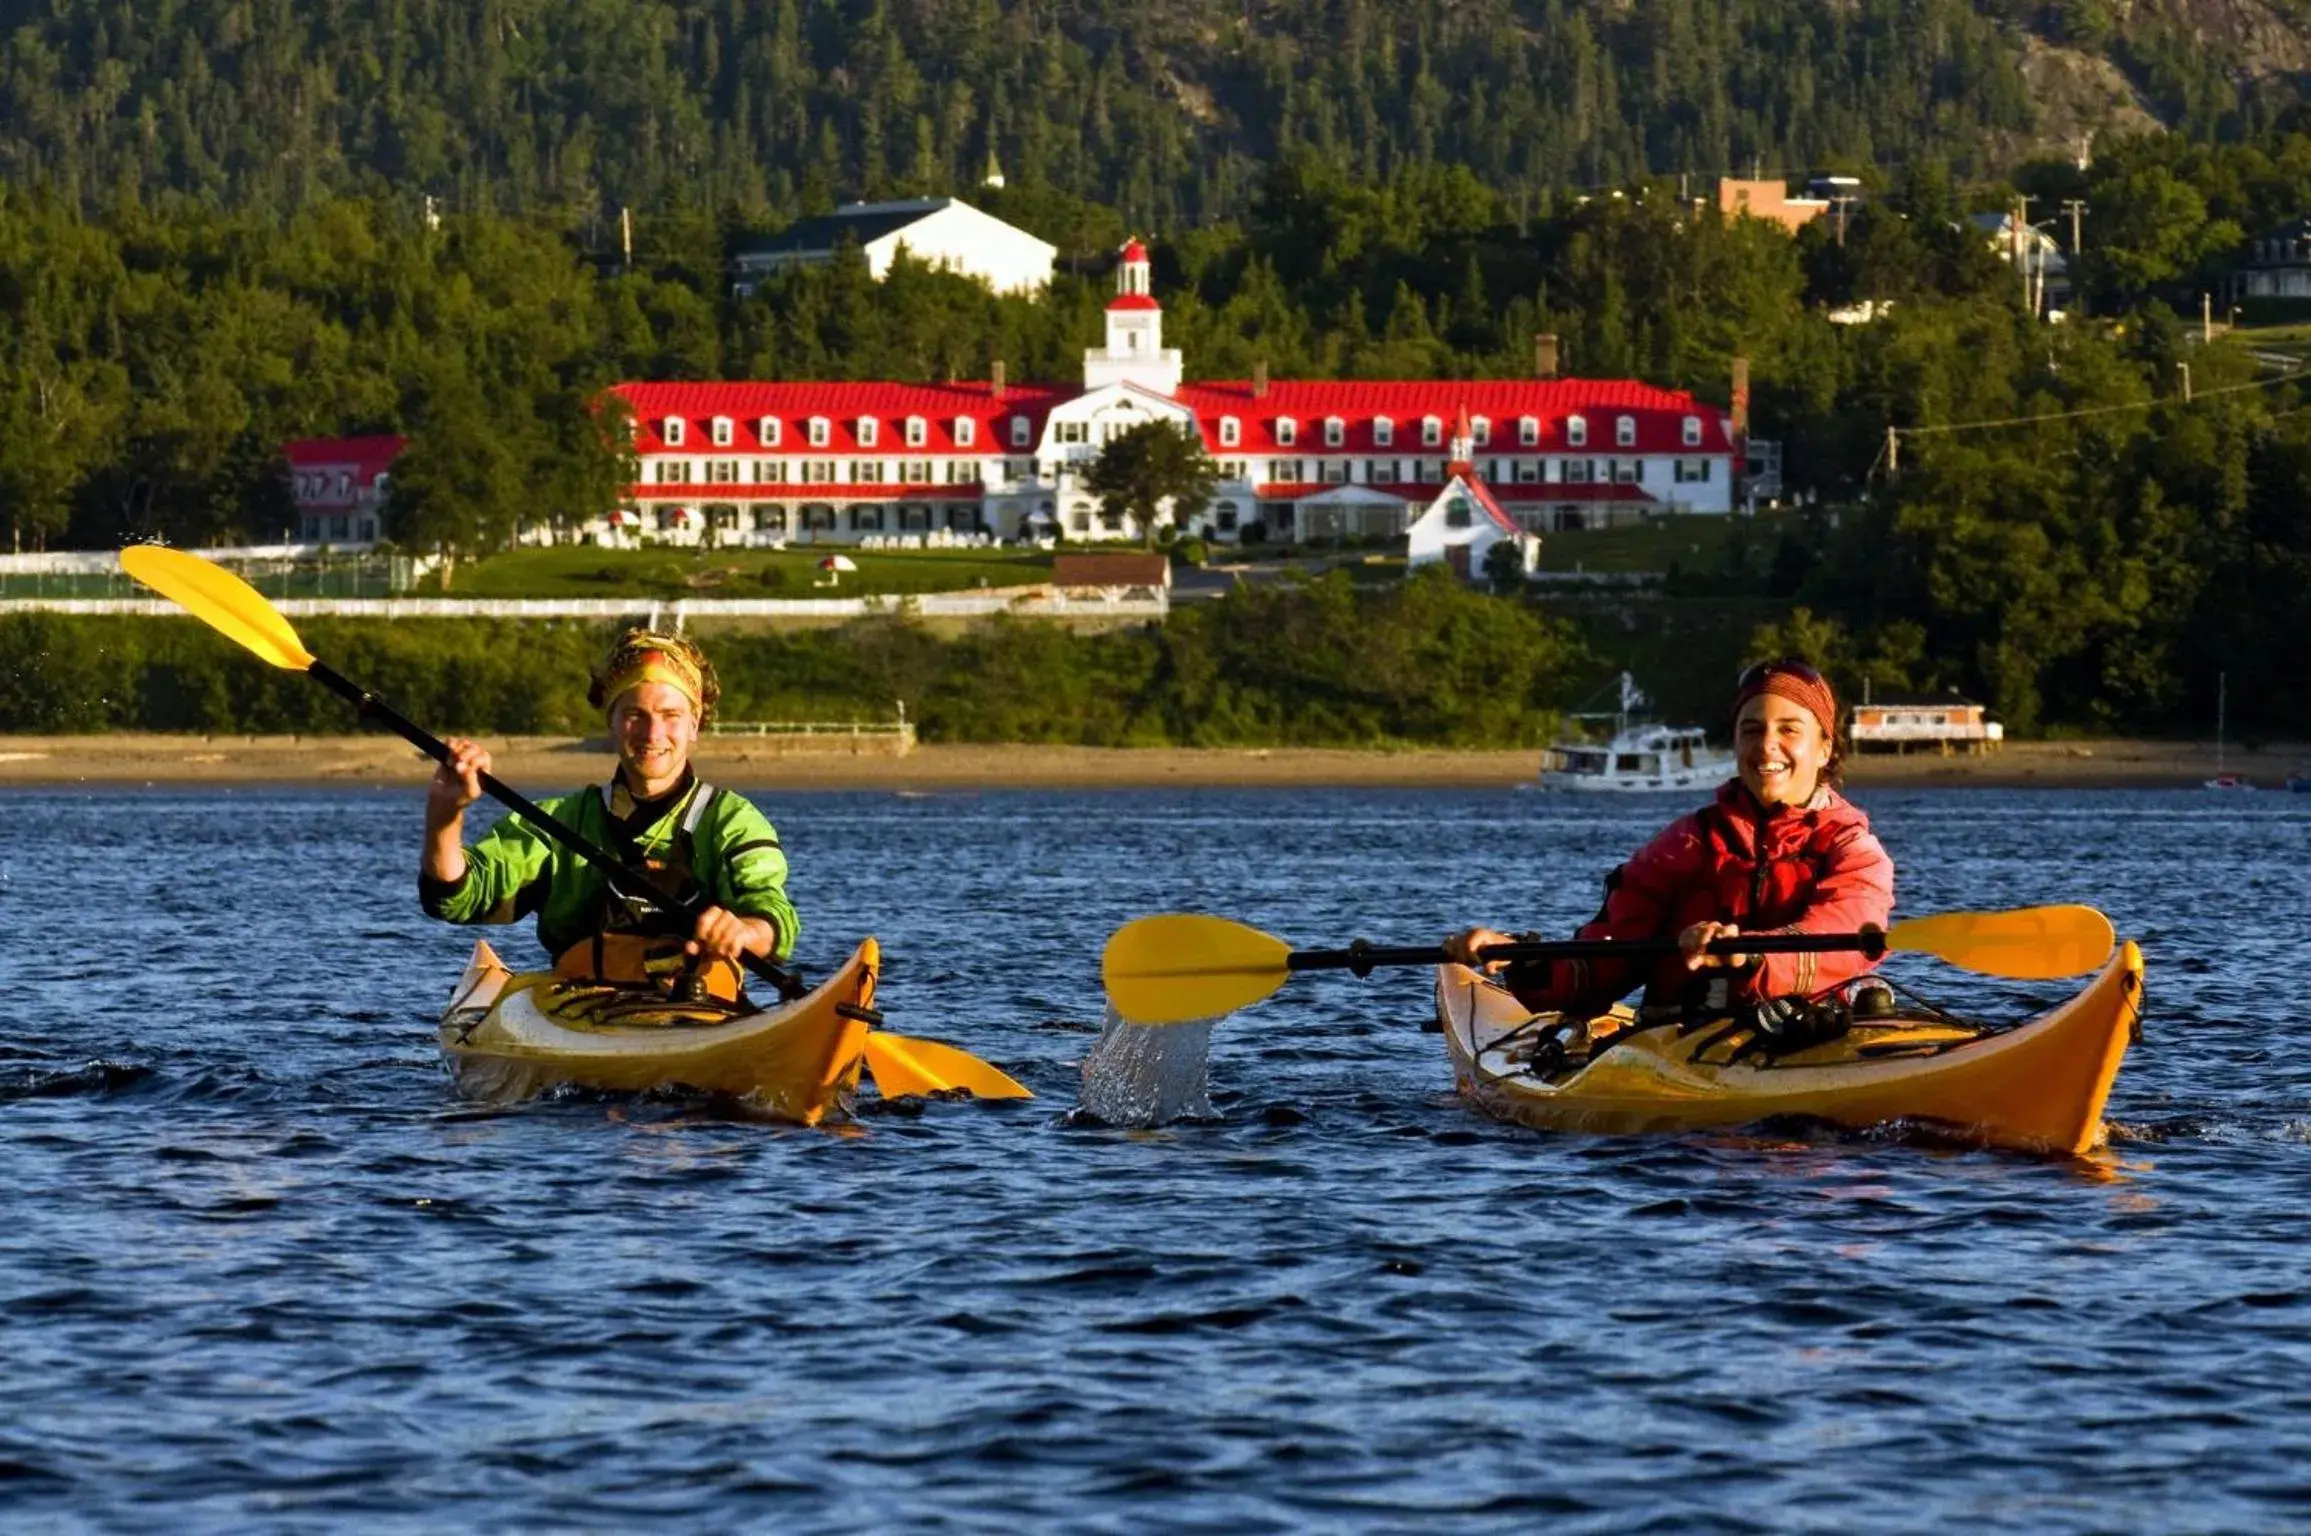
(545, 763)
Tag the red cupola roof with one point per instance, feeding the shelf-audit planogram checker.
(1134, 251)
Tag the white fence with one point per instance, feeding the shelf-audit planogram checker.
(1034, 603)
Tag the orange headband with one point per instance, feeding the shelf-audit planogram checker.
(648, 666)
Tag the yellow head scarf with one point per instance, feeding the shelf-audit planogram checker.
(640, 656)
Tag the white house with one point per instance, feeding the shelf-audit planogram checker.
(1298, 461)
(1463, 522)
(938, 231)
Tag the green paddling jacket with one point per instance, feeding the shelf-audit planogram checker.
(713, 838)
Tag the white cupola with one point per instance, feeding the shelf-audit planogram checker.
(1135, 352)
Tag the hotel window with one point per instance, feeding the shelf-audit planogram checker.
(1286, 470)
(1231, 432)
(767, 428)
(1480, 431)
(1625, 432)
(1692, 431)
(1692, 471)
(1528, 431)
(962, 472)
(769, 472)
(1528, 471)
(868, 429)
(818, 432)
(1627, 471)
(672, 432)
(917, 433)
(1019, 431)
(1335, 432)
(1287, 431)
(674, 472)
(1233, 469)
(1577, 471)
(820, 472)
(1383, 432)
(1431, 431)
(1577, 431)
(916, 472)
(866, 472)
(1334, 471)
(966, 432)
(720, 428)
(722, 472)
(1381, 472)
(1073, 432)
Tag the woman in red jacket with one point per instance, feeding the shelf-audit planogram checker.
(1778, 851)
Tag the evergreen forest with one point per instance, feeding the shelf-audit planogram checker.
(230, 223)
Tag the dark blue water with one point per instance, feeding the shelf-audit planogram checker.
(261, 1269)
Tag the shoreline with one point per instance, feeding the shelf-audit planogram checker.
(551, 763)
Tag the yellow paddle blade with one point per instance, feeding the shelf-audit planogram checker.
(220, 600)
(906, 1067)
(1183, 965)
(2028, 944)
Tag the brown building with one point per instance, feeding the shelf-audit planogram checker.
(1768, 200)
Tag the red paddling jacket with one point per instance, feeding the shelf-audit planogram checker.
(1815, 870)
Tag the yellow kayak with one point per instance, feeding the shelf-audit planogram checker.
(510, 1034)
(2039, 1085)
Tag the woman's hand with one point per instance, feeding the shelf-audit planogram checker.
(1463, 947)
(1695, 941)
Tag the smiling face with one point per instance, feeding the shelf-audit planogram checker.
(655, 726)
(1780, 749)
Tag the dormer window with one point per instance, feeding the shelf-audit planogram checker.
(1431, 431)
(966, 432)
(1335, 432)
(1692, 431)
(1383, 432)
(918, 433)
(1480, 430)
(1528, 431)
(768, 430)
(1625, 432)
(1231, 432)
(720, 428)
(819, 432)
(1577, 431)
(1019, 432)
(868, 431)
(1287, 431)
(672, 431)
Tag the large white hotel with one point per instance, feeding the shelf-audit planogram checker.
(838, 463)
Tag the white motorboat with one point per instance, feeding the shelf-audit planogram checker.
(1642, 757)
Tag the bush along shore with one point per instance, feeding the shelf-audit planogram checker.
(1320, 663)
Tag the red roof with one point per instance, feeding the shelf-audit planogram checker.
(1521, 492)
(369, 456)
(1659, 415)
(1131, 301)
(843, 405)
(1492, 508)
(1134, 251)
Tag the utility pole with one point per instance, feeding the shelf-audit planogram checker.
(2076, 208)
(1893, 452)
(2206, 318)
(626, 234)
(2017, 222)
(1842, 201)
(2186, 373)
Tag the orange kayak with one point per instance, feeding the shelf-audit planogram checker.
(2037, 1085)
(509, 1035)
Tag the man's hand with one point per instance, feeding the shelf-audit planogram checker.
(721, 934)
(456, 783)
(1463, 947)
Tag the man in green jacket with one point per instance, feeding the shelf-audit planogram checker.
(659, 690)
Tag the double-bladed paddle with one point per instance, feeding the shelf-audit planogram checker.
(1181, 965)
(233, 608)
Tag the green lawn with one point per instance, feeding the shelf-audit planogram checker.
(585, 571)
(1695, 541)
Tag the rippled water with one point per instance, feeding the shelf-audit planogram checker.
(261, 1269)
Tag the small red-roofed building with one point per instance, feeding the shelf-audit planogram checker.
(339, 485)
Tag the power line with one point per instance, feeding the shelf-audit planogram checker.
(2088, 410)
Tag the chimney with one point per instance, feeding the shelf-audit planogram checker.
(1260, 379)
(1740, 411)
(995, 379)
(1545, 355)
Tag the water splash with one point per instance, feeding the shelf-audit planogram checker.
(1141, 1075)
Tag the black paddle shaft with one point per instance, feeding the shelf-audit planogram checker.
(1362, 958)
(625, 877)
